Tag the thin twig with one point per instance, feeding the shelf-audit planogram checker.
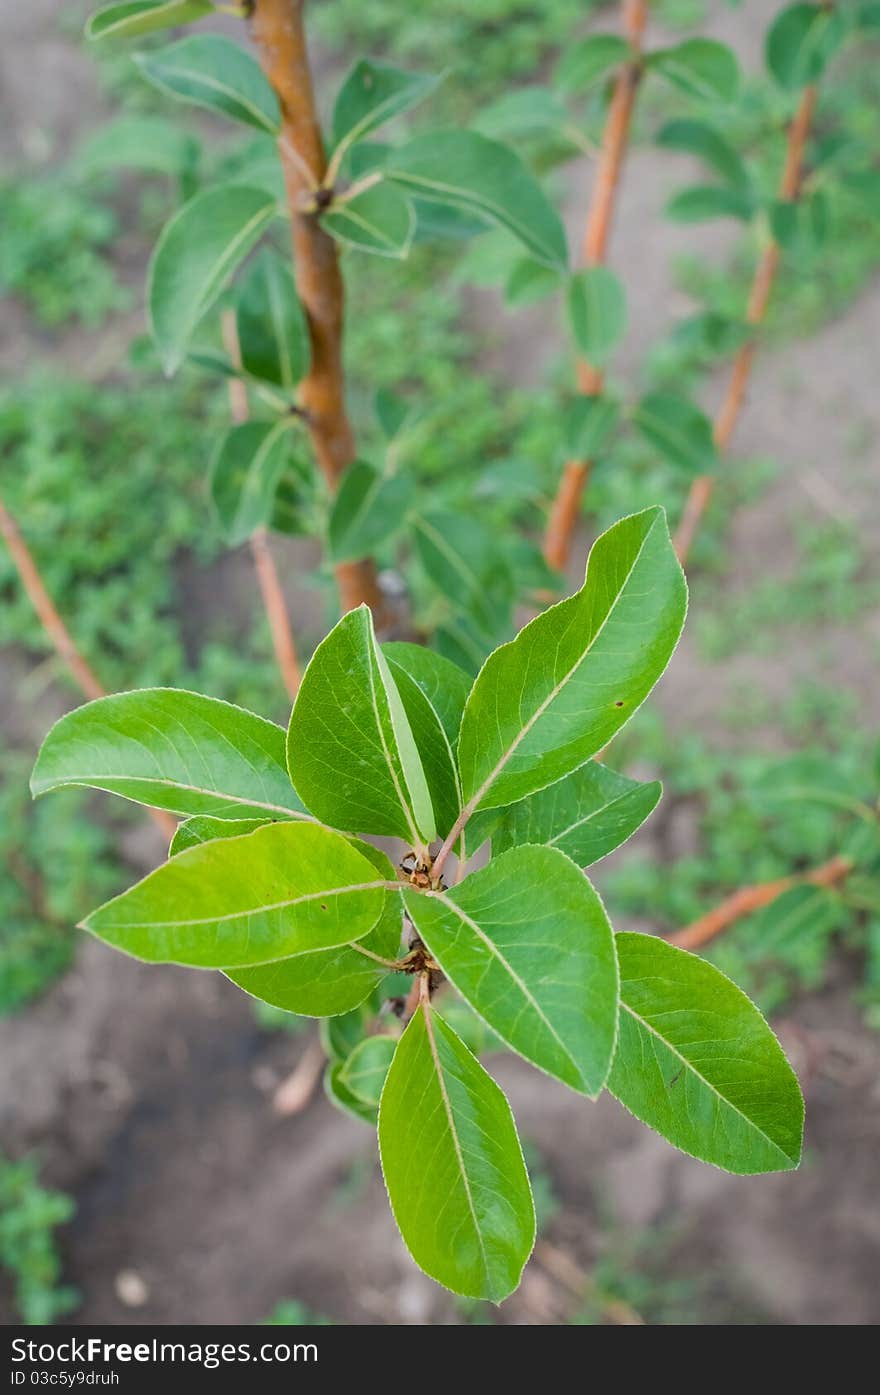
(566, 506)
(271, 590)
(752, 898)
(58, 633)
(294, 1093)
(759, 298)
(280, 39)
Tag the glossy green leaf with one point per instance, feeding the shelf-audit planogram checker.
(589, 61)
(596, 312)
(197, 252)
(467, 170)
(702, 68)
(679, 430)
(368, 509)
(173, 750)
(212, 71)
(587, 815)
(372, 94)
(552, 697)
(381, 219)
(202, 829)
(433, 691)
(339, 1094)
(703, 141)
(364, 1071)
(245, 473)
(286, 888)
(697, 1062)
(453, 1164)
(332, 981)
(702, 202)
(589, 423)
(800, 42)
(350, 748)
(527, 943)
(134, 17)
(273, 336)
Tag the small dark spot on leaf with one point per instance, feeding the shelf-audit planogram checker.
(619, 702)
(323, 907)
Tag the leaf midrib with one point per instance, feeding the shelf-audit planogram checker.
(249, 911)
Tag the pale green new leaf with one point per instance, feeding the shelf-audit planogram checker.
(273, 336)
(697, 1062)
(350, 748)
(555, 695)
(587, 815)
(134, 17)
(245, 473)
(212, 71)
(197, 252)
(467, 170)
(453, 1164)
(372, 94)
(173, 750)
(433, 691)
(287, 888)
(596, 312)
(367, 510)
(679, 430)
(364, 1072)
(702, 68)
(527, 943)
(380, 219)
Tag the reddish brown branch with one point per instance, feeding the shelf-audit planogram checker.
(271, 590)
(280, 39)
(57, 631)
(566, 505)
(759, 299)
(752, 898)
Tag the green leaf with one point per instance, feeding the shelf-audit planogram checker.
(466, 170)
(800, 228)
(380, 219)
(530, 281)
(596, 312)
(173, 750)
(341, 1034)
(527, 943)
(201, 829)
(197, 252)
(710, 334)
(800, 42)
(212, 71)
(702, 68)
(588, 61)
(679, 430)
(339, 1094)
(587, 815)
(453, 1164)
(364, 1072)
(555, 695)
(273, 336)
(245, 474)
(457, 554)
(141, 143)
(705, 143)
(433, 691)
(589, 421)
(372, 94)
(521, 113)
(697, 1062)
(368, 509)
(125, 21)
(393, 413)
(702, 202)
(332, 981)
(286, 888)
(350, 749)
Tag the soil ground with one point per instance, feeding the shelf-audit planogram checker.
(148, 1091)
